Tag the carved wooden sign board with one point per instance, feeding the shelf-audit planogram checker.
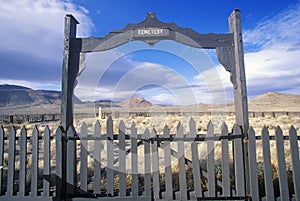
(229, 49)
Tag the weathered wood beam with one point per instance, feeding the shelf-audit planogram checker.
(69, 72)
(240, 89)
(112, 40)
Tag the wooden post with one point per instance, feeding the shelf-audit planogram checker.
(69, 72)
(240, 88)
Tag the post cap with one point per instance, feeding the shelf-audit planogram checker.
(72, 17)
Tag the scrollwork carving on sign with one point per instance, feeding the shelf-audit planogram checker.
(226, 58)
(151, 30)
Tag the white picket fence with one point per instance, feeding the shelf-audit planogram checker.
(133, 166)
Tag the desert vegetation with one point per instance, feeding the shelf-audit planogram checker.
(158, 123)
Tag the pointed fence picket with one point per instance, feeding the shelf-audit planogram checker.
(196, 162)
(181, 162)
(23, 161)
(47, 163)
(59, 176)
(97, 159)
(34, 163)
(134, 161)
(1, 157)
(295, 161)
(225, 162)
(239, 162)
(11, 162)
(155, 166)
(147, 165)
(267, 164)
(211, 161)
(71, 172)
(83, 158)
(122, 159)
(253, 165)
(284, 191)
(129, 173)
(110, 157)
(167, 163)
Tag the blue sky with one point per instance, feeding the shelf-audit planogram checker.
(168, 73)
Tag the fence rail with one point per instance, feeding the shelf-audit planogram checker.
(42, 118)
(128, 165)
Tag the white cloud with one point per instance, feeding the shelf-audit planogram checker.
(281, 28)
(35, 85)
(163, 98)
(272, 65)
(109, 75)
(31, 51)
(116, 74)
(32, 36)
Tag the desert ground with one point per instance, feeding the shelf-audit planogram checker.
(270, 110)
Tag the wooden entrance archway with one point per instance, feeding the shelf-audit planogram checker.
(229, 48)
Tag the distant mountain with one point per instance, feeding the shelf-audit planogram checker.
(19, 99)
(275, 98)
(273, 101)
(135, 102)
(13, 95)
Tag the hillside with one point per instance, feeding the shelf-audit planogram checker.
(12, 95)
(135, 102)
(22, 100)
(273, 101)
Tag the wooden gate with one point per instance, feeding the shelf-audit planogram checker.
(229, 50)
(161, 167)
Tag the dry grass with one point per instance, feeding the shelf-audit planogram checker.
(158, 122)
(171, 121)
